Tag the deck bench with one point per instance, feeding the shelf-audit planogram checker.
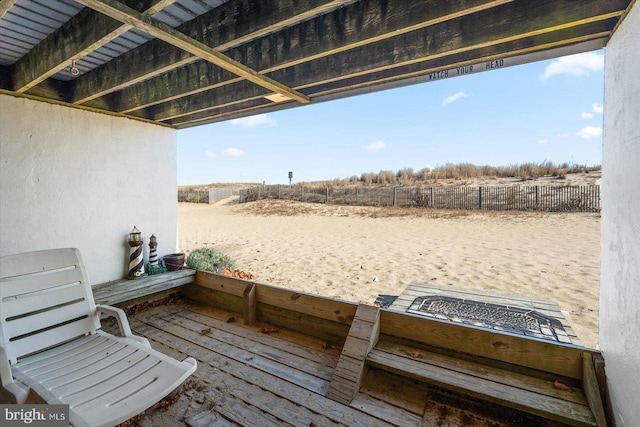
(547, 379)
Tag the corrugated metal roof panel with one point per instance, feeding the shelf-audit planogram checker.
(28, 22)
(186, 10)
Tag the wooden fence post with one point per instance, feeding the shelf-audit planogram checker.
(327, 198)
(395, 195)
(479, 197)
(431, 198)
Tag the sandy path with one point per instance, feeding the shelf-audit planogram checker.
(333, 252)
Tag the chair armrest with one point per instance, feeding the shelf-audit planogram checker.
(118, 313)
(5, 368)
(14, 390)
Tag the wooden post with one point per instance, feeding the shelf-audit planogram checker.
(431, 201)
(327, 198)
(249, 296)
(395, 195)
(479, 197)
(278, 191)
(592, 390)
(356, 195)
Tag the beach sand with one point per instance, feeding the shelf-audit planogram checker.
(357, 253)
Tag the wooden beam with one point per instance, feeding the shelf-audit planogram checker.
(451, 62)
(81, 35)
(439, 30)
(164, 32)
(511, 21)
(226, 95)
(548, 356)
(217, 28)
(321, 38)
(310, 78)
(592, 390)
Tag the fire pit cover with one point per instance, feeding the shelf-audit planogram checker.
(504, 318)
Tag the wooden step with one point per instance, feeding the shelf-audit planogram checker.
(511, 389)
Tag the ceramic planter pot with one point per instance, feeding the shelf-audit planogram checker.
(174, 262)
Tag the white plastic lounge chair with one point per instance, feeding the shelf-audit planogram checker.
(51, 344)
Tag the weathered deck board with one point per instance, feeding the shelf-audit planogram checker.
(348, 373)
(204, 315)
(264, 347)
(249, 378)
(232, 377)
(521, 399)
(496, 375)
(256, 360)
(546, 307)
(121, 291)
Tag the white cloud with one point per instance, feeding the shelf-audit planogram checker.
(597, 108)
(543, 141)
(249, 122)
(579, 65)
(453, 98)
(233, 152)
(209, 154)
(378, 145)
(586, 115)
(564, 135)
(589, 132)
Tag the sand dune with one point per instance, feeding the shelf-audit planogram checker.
(356, 253)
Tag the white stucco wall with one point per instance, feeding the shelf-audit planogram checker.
(73, 178)
(619, 336)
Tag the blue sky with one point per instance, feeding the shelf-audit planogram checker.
(546, 110)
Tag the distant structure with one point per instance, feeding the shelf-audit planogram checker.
(290, 176)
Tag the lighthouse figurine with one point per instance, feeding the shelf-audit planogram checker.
(136, 265)
(153, 251)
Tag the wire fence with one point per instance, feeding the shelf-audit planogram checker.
(207, 196)
(522, 198)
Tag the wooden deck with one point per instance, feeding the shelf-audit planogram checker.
(546, 307)
(261, 375)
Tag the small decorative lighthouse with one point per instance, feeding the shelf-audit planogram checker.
(153, 253)
(136, 265)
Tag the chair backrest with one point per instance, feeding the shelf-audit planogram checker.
(45, 299)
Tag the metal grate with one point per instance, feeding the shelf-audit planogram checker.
(491, 316)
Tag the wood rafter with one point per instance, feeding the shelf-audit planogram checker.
(397, 22)
(164, 32)
(68, 44)
(382, 78)
(444, 44)
(108, 79)
(241, 57)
